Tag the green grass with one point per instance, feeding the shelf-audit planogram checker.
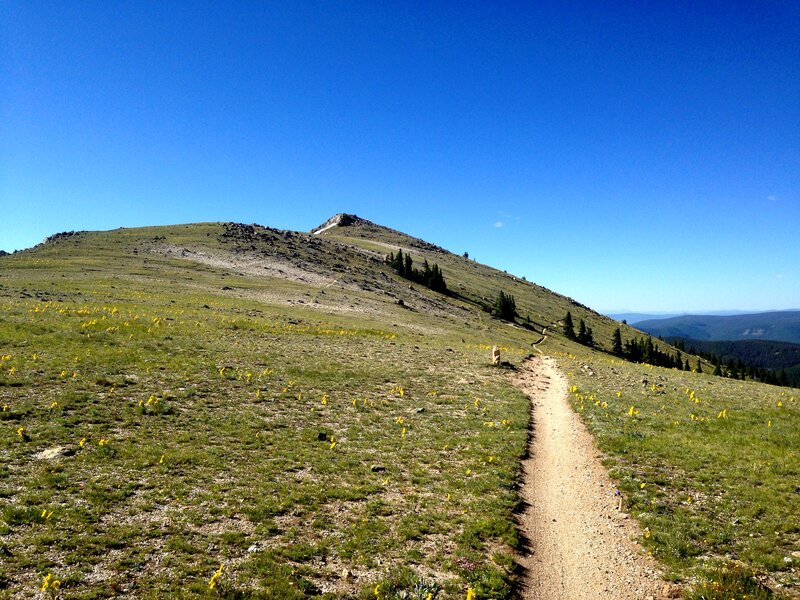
(717, 491)
(308, 453)
(260, 400)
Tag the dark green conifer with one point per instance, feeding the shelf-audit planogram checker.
(616, 342)
(505, 307)
(569, 328)
(408, 267)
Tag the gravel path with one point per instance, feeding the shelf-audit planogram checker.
(580, 546)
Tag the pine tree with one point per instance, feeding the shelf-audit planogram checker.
(505, 307)
(399, 264)
(436, 280)
(569, 328)
(584, 334)
(616, 342)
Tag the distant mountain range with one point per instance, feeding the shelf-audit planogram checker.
(638, 317)
(781, 326)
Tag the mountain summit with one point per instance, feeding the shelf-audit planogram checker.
(340, 220)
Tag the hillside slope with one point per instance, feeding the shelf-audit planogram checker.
(265, 413)
(781, 359)
(780, 326)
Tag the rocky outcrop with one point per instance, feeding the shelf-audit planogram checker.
(340, 220)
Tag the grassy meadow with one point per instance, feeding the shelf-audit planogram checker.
(709, 466)
(300, 453)
(240, 412)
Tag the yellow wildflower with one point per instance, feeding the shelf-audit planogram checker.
(50, 583)
(217, 574)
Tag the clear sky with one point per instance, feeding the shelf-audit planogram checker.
(631, 155)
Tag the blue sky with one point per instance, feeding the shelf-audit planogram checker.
(636, 156)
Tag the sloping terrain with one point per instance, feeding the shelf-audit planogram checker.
(780, 326)
(241, 411)
(580, 542)
(780, 358)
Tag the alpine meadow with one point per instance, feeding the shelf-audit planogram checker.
(220, 410)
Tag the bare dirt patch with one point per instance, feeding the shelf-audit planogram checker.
(260, 266)
(580, 545)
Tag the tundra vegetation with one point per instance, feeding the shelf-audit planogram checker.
(223, 410)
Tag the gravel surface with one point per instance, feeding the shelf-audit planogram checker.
(580, 545)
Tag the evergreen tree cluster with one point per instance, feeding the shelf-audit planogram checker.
(584, 335)
(430, 276)
(505, 307)
(643, 350)
(737, 368)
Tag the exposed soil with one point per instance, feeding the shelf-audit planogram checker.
(580, 544)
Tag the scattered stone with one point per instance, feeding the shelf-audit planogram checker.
(53, 453)
(255, 547)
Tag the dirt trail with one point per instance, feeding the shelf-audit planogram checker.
(580, 544)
